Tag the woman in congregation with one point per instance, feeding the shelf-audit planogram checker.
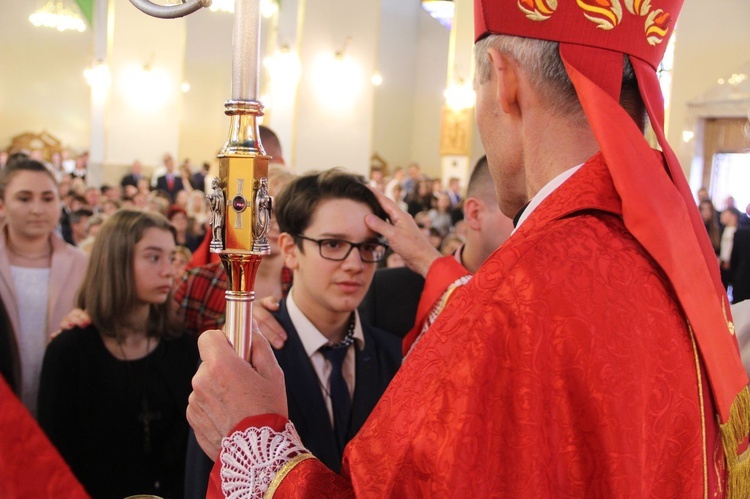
(711, 221)
(113, 394)
(39, 272)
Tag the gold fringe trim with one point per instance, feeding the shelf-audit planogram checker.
(702, 410)
(735, 431)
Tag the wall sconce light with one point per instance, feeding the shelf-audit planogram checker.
(267, 101)
(338, 78)
(146, 88)
(268, 8)
(98, 78)
(284, 68)
(377, 79)
(460, 96)
(687, 136)
(97, 75)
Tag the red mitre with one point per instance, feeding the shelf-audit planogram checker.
(658, 207)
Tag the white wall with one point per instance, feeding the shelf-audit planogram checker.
(41, 78)
(208, 69)
(432, 60)
(144, 132)
(42, 86)
(712, 42)
(328, 135)
(393, 113)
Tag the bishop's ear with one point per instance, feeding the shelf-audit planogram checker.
(505, 72)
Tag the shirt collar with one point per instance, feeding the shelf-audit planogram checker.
(312, 339)
(544, 192)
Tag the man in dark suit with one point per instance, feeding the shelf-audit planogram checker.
(169, 182)
(335, 365)
(199, 178)
(135, 174)
(739, 265)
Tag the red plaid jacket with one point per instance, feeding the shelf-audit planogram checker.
(200, 297)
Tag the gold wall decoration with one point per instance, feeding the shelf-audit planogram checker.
(455, 132)
(30, 141)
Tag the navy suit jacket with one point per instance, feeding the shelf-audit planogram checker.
(376, 364)
(161, 185)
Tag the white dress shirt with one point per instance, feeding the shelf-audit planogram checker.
(312, 340)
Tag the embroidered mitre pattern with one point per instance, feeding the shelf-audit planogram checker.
(607, 15)
(251, 459)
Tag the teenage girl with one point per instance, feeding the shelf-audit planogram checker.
(113, 394)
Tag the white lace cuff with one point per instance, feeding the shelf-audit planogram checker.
(251, 459)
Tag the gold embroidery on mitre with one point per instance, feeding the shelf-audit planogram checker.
(657, 26)
(538, 10)
(605, 18)
(638, 7)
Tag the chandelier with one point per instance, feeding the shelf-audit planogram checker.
(56, 15)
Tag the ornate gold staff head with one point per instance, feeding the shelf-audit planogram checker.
(239, 199)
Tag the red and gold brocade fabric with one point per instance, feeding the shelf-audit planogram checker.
(444, 272)
(30, 466)
(564, 368)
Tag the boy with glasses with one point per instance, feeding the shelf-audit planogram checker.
(335, 366)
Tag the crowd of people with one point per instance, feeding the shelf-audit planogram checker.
(592, 354)
(437, 208)
(125, 284)
(728, 231)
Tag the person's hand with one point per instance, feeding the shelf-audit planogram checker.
(227, 389)
(404, 236)
(267, 323)
(75, 318)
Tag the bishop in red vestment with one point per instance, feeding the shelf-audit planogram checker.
(590, 356)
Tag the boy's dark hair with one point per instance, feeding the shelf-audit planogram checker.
(296, 203)
(77, 215)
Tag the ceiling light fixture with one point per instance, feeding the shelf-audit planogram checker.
(57, 15)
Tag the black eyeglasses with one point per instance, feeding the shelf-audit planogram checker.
(339, 249)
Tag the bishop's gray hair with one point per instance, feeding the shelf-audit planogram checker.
(540, 60)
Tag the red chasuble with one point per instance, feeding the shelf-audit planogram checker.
(564, 368)
(30, 466)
